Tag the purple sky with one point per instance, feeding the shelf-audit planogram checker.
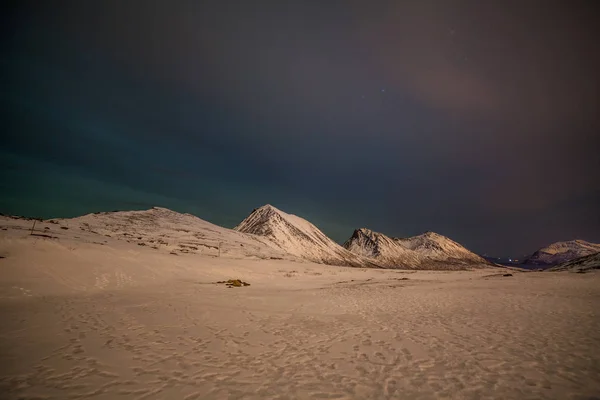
(478, 120)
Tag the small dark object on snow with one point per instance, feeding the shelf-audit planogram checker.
(234, 283)
(507, 275)
(44, 235)
(64, 227)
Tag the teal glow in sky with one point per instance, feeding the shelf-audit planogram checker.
(477, 121)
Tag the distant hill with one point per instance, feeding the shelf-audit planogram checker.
(427, 251)
(171, 231)
(562, 252)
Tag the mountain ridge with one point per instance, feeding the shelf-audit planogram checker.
(429, 250)
(178, 233)
(561, 252)
(299, 237)
(580, 264)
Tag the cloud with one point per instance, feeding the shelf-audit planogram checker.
(488, 115)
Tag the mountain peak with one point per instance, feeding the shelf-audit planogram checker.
(424, 251)
(298, 237)
(268, 207)
(430, 235)
(363, 231)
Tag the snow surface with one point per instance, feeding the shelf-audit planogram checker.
(86, 316)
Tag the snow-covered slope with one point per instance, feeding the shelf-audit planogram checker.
(166, 230)
(426, 251)
(561, 252)
(298, 237)
(581, 264)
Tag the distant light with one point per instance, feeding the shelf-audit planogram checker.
(383, 90)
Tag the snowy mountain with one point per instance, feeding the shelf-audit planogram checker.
(426, 251)
(581, 264)
(167, 230)
(561, 252)
(299, 238)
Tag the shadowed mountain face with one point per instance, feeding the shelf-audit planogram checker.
(426, 251)
(562, 252)
(299, 238)
(581, 264)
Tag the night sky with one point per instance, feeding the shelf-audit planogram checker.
(478, 120)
